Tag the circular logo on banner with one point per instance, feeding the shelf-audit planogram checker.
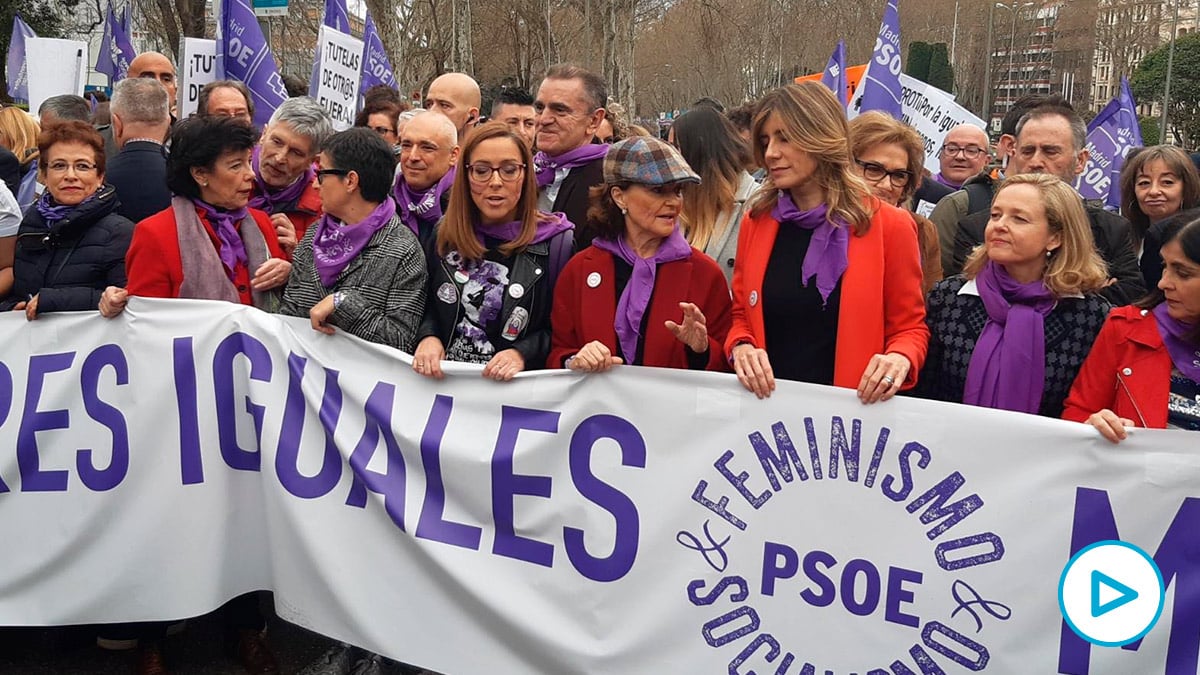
(1111, 593)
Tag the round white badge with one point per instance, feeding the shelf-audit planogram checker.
(461, 276)
(516, 291)
(753, 298)
(593, 280)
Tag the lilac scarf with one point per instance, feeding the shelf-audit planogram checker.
(274, 200)
(417, 207)
(335, 244)
(941, 179)
(225, 224)
(636, 296)
(544, 165)
(1184, 354)
(826, 258)
(52, 212)
(548, 225)
(1008, 367)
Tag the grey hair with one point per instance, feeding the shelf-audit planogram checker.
(1078, 126)
(306, 117)
(141, 100)
(66, 107)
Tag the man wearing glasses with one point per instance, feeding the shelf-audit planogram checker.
(964, 153)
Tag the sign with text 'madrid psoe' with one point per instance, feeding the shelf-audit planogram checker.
(637, 521)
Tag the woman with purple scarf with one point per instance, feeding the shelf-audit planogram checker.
(1144, 370)
(493, 265)
(72, 243)
(1012, 330)
(358, 268)
(640, 294)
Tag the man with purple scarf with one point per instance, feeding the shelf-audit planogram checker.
(283, 168)
(428, 150)
(570, 106)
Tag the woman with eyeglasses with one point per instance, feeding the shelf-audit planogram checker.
(382, 117)
(71, 245)
(359, 268)
(852, 313)
(891, 155)
(493, 265)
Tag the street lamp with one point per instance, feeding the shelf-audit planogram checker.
(1162, 135)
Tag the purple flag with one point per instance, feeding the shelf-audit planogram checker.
(127, 18)
(116, 49)
(243, 54)
(881, 83)
(1111, 135)
(834, 76)
(337, 18)
(18, 77)
(376, 68)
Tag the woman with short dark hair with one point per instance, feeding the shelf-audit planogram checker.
(1156, 183)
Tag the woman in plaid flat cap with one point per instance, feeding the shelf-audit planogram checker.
(640, 294)
(827, 282)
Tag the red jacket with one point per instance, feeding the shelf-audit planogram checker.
(584, 312)
(882, 308)
(1128, 372)
(307, 211)
(153, 265)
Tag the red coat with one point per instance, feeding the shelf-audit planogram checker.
(583, 312)
(153, 264)
(1128, 372)
(307, 211)
(882, 307)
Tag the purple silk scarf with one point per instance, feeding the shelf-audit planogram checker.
(941, 179)
(52, 212)
(1008, 367)
(636, 296)
(272, 200)
(335, 244)
(826, 257)
(1184, 354)
(415, 207)
(548, 225)
(225, 224)
(544, 165)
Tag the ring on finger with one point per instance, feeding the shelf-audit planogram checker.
(889, 379)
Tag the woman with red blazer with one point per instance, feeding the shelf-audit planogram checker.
(827, 282)
(640, 294)
(1144, 369)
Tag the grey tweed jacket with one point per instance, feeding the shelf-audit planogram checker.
(384, 287)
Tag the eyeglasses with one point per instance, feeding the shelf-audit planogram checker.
(321, 173)
(482, 173)
(81, 168)
(968, 151)
(383, 131)
(875, 173)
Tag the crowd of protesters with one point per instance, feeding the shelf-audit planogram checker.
(775, 241)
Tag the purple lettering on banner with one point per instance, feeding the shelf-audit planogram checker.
(906, 482)
(1176, 559)
(877, 457)
(719, 507)
(107, 415)
(938, 494)
(848, 452)
(739, 481)
(390, 483)
(814, 452)
(6, 398)
(622, 508)
(828, 591)
(235, 455)
(995, 552)
(191, 463)
(870, 599)
(735, 632)
(748, 651)
(924, 661)
(778, 462)
(288, 455)
(897, 595)
(433, 525)
(739, 595)
(33, 478)
(780, 561)
(506, 485)
(979, 657)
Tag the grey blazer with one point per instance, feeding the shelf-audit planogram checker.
(723, 248)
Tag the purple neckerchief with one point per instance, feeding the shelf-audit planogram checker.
(335, 244)
(826, 257)
(52, 212)
(225, 224)
(548, 225)
(418, 207)
(272, 200)
(545, 165)
(636, 296)
(1184, 354)
(1008, 367)
(942, 179)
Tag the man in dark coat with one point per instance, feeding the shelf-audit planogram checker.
(140, 119)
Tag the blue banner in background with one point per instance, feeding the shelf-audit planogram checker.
(834, 76)
(18, 76)
(881, 82)
(116, 49)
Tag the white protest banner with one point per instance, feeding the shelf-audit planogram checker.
(340, 71)
(199, 68)
(55, 67)
(636, 521)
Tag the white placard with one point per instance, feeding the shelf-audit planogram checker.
(339, 73)
(55, 67)
(199, 67)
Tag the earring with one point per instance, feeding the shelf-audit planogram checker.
(624, 211)
(204, 184)
(1049, 252)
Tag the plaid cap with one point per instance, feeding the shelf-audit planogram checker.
(645, 160)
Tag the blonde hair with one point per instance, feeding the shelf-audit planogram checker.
(711, 146)
(814, 121)
(874, 128)
(1075, 266)
(19, 133)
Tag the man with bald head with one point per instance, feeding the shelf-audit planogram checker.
(157, 67)
(455, 95)
(428, 150)
(964, 153)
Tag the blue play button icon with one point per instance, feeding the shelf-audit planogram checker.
(1100, 582)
